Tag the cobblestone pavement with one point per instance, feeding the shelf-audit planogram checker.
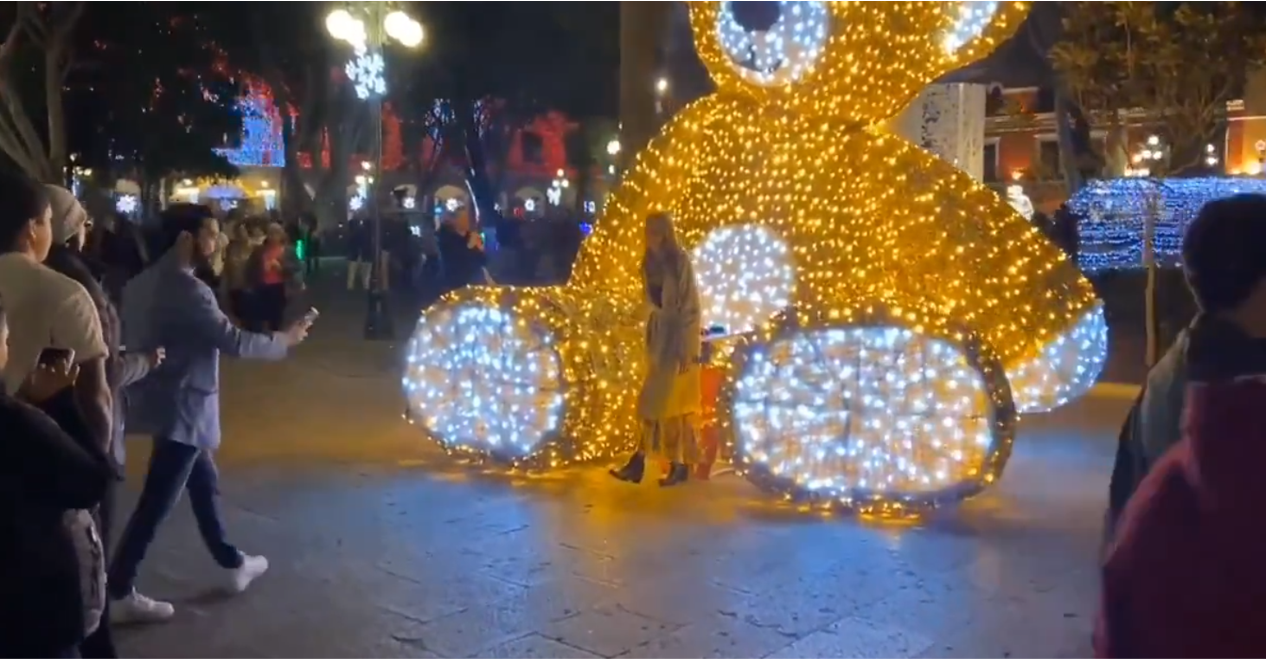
(382, 548)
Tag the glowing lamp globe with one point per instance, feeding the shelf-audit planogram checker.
(343, 26)
(403, 29)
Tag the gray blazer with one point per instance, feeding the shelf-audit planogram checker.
(167, 306)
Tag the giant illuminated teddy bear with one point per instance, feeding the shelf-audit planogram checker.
(890, 315)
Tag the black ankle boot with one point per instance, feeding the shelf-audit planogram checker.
(677, 475)
(631, 472)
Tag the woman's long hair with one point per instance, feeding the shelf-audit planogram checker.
(670, 250)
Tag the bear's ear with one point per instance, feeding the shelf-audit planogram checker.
(972, 30)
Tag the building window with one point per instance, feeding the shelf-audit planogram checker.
(995, 102)
(1049, 165)
(991, 161)
(1044, 101)
(533, 148)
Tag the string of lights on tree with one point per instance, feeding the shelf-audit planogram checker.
(883, 379)
(261, 140)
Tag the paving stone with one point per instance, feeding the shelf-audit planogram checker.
(607, 632)
(534, 646)
(854, 637)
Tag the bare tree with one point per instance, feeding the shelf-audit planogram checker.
(46, 27)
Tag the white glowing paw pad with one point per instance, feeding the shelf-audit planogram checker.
(875, 411)
(970, 21)
(782, 54)
(1066, 369)
(745, 276)
(480, 378)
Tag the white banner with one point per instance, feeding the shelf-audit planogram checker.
(949, 122)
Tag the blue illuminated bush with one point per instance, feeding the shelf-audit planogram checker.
(1113, 214)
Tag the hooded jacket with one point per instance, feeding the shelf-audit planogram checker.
(122, 369)
(1184, 577)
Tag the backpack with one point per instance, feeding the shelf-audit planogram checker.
(79, 525)
(90, 555)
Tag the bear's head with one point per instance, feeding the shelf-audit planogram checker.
(852, 60)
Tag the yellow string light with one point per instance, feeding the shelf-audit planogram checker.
(791, 153)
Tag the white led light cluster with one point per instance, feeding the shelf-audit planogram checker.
(970, 21)
(1066, 368)
(876, 413)
(366, 72)
(782, 54)
(745, 276)
(479, 378)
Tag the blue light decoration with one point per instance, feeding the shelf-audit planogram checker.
(1113, 215)
(261, 144)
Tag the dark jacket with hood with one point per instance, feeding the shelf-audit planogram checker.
(1184, 575)
(43, 474)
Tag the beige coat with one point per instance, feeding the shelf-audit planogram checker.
(673, 340)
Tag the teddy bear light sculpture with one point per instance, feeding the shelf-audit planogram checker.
(894, 315)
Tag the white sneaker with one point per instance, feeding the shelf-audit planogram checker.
(253, 567)
(137, 609)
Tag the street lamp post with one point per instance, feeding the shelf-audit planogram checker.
(367, 27)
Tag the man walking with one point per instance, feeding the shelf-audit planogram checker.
(179, 405)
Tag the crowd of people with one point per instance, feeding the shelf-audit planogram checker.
(425, 264)
(103, 331)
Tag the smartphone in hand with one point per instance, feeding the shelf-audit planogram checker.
(56, 357)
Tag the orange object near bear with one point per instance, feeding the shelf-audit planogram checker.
(709, 441)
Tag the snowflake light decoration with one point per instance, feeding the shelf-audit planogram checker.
(127, 204)
(366, 71)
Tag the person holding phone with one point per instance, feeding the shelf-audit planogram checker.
(48, 482)
(179, 405)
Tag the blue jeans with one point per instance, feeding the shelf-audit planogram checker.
(173, 467)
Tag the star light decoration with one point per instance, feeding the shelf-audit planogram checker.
(921, 300)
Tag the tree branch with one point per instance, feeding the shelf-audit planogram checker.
(10, 45)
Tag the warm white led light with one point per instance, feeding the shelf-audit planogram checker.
(782, 54)
(745, 276)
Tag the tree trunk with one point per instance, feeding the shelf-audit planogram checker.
(1069, 154)
(482, 188)
(642, 25)
(294, 194)
(1150, 293)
